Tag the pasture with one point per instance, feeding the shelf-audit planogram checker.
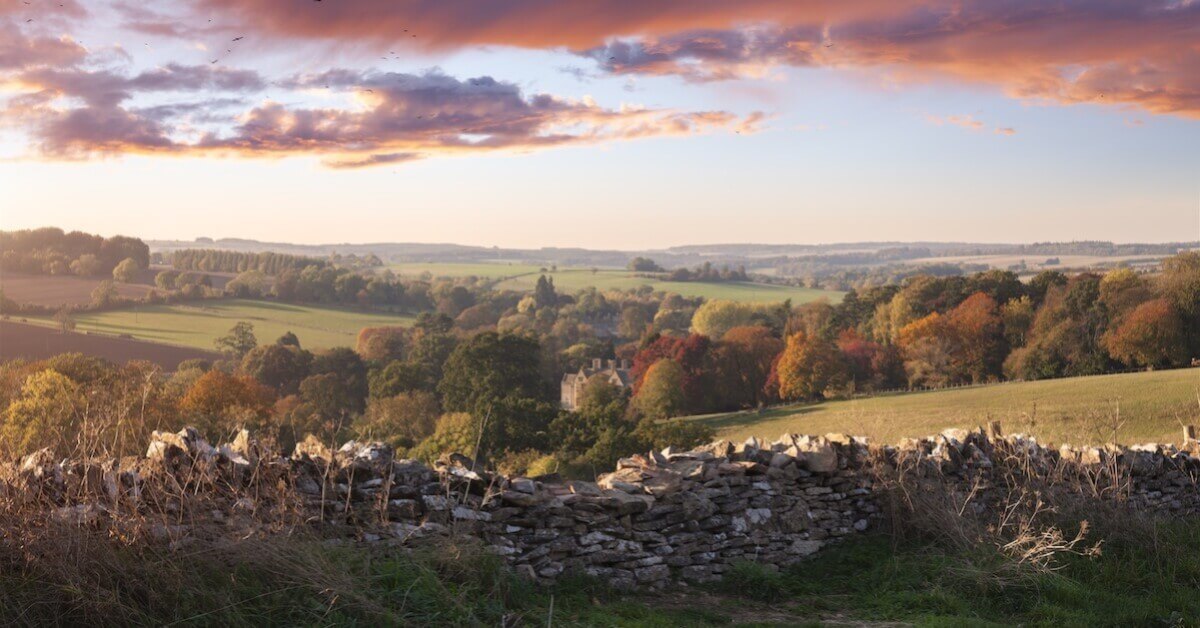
(523, 278)
(35, 342)
(198, 324)
(1126, 408)
(56, 290)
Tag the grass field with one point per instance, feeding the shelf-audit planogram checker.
(523, 277)
(198, 325)
(1127, 408)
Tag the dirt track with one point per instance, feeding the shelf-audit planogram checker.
(33, 342)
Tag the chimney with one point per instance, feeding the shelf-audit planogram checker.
(625, 365)
(596, 363)
(612, 364)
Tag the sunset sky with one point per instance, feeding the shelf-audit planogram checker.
(603, 123)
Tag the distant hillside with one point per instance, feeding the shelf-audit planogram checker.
(756, 257)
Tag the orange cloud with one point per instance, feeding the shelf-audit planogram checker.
(1142, 53)
(969, 122)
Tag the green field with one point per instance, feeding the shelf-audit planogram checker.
(198, 324)
(523, 277)
(1127, 408)
(485, 270)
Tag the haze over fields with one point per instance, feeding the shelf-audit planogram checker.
(528, 124)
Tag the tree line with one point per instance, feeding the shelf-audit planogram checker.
(52, 251)
(215, 260)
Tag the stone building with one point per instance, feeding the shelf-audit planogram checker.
(573, 383)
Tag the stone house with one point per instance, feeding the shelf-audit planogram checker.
(573, 383)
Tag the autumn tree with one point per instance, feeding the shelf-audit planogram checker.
(383, 344)
(743, 364)
(1151, 335)
(870, 365)
(47, 413)
(810, 367)
(1122, 290)
(218, 403)
(928, 352)
(977, 331)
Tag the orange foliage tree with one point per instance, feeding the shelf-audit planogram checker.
(1151, 335)
(218, 402)
(810, 367)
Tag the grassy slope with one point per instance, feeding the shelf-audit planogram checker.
(524, 277)
(1076, 410)
(284, 580)
(197, 325)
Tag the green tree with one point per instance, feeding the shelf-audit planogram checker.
(127, 271)
(278, 366)
(401, 421)
(718, 316)
(239, 341)
(399, 377)
(86, 265)
(66, 322)
(661, 394)
(490, 367)
(544, 294)
(166, 280)
(104, 294)
(346, 365)
(248, 284)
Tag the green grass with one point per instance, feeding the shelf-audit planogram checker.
(1142, 406)
(1139, 582)
(523, 277)
(200, 323)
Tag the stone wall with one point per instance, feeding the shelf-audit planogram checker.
(685, 515)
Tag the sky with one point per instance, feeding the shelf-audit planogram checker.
(603, 123)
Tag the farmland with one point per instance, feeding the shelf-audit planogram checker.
(198, 325)
(34, 342)
(60, 290)
(523, 277)
(1130, 407)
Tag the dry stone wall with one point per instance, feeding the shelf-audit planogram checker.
(686, 515)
